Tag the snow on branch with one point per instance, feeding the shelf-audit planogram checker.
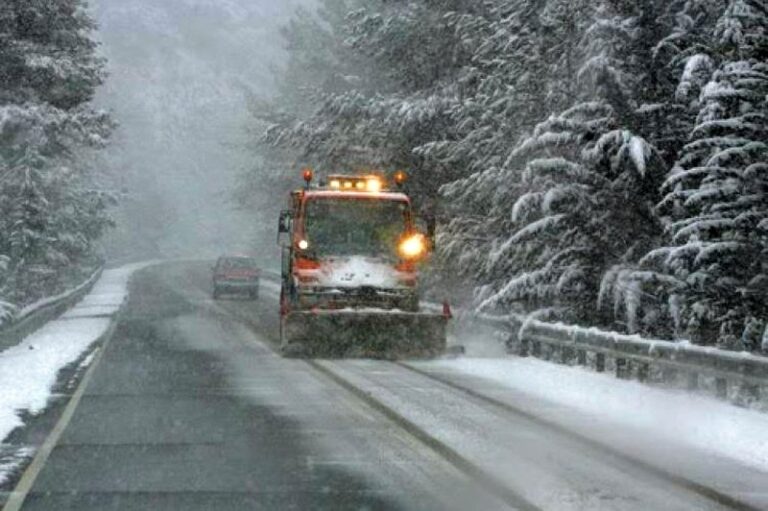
(526, 205)
(701, 226)
(698, 69)
(554, 166)
(538, 228)
(718, 249)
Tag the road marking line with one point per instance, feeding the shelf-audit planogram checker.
(462, 464)
(27, 481)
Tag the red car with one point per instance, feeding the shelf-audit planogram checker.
(236, 274)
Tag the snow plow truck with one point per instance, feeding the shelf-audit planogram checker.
(351, 255)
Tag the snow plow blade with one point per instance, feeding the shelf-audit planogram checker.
(363, 334)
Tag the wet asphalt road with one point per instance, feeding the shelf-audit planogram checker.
(190, 409)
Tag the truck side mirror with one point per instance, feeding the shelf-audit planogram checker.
(428, 225)
(284, 228)
(431, 229)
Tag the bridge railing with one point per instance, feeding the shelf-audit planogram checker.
(739, 377)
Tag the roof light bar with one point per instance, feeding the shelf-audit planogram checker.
(371, 184)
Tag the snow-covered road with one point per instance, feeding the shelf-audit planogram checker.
(202, 413)
(628, 412)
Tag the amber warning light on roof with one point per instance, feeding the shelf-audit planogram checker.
(373, 184)
(366, 183)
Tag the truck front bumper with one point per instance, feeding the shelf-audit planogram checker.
(363, 333)
(405, 299)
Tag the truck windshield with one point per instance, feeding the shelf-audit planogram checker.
(369, 227)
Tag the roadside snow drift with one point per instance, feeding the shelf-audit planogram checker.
(675, 416)
(29, 370)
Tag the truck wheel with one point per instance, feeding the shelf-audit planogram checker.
(253, 294)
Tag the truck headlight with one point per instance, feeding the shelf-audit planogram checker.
(413, 247)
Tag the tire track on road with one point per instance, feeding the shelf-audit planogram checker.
(484, 479)
(687, 484)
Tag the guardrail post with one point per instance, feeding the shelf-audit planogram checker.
(621, 368)
(693, 380)
(754, 392)
(600, 362)
(566, 355)
(748, 393)
(642, 372)
(721, 388)
(668, 375)
(581, 357)
(548, 352)
(524, 348)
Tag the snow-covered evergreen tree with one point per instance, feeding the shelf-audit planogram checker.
(394, 91)
(575, 198)
(577, 209)
(48, 75)
(717, 193)
(502, 89)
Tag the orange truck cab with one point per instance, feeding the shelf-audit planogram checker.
(351, 243)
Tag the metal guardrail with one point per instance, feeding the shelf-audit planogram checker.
(739, 377)
(32, 318)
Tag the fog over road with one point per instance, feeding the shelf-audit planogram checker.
(180, 75)
(190, 407)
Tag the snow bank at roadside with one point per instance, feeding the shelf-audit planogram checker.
(696, 421)
(29, 370)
